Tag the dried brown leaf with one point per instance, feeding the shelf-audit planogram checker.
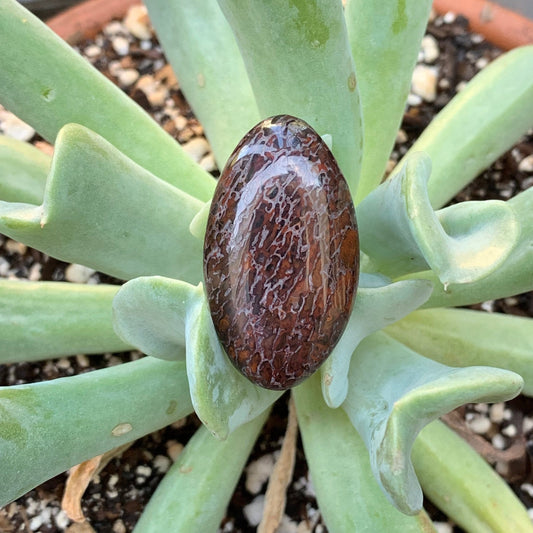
(276, 493)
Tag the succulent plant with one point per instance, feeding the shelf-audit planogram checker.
(119, 195)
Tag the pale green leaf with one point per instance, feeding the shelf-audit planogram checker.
(23, 171)
(348, 496)
(150, 313)
(201, 48)
(463, 337)
(514, 275)
(51, 426)
(195, 492)
(47, 84)
(374, 308)
(222, 397)
(401, 233)
(40, 320)
(458, 481)
(299, 63)
(394, 392)
(483, 121)
(104, 211)
(385, 41)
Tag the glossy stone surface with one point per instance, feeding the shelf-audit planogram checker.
(281, 253)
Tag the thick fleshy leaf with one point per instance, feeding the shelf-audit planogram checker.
(47, 84)
(299, 63)
(347, 493)
(483, 121)
(198, 224)
(222, 397)
(150, 313)
(458, 481)
(385, 41)
(47, 427)
(104, 211)
(463, 337)
(462, 243)
(23, 171)
(394, 392)
(195, 492)
(202, 50)
(374, 308)
(40, 320)
(513, 276)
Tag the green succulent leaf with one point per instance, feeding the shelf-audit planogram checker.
(385, 41)
(222, 397)
(299, 63)
(50, 426)
(41, 320)
(23, 171)
(513, 276)
(374, 308)
(347, 493)
(202, 51)
(401, 233)
(195, 492)
(458, 481)
(151, 314)
(56, 86)
(198, 224)
(394, 392)
(463, 337)
(102, 210)
(483, 121)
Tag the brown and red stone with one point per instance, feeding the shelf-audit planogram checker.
(281, 253)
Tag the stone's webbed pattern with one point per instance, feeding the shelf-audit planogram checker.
(281, 253)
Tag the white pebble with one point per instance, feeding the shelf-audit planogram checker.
(78, 273)
(119, 526)
(443, 527)
(482, 62)
(496, 412)
(92, 51)
(121, 45)
(449, 17)
(115, 68)
(162, 463)
(15, 128)
(526, 165)
(530, 513)
(287, 525)
(527, 487)
(424, 82)
(498, 441)
(414, 100)
(143, 470)
(488, 306)
(174, 449)
(63, 363)
(479, 424)
(253, 512)
(35, 272)
(196, 148)
(258, 472)
(510, 431)
(401, 137)
(208, 163)
(114, 27)
(137, 23)
(127, 77)
(527, 424)
(460, 86)
(15, 247)
(430, 48)
(62, 520)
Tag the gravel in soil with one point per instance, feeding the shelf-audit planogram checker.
(128, 53)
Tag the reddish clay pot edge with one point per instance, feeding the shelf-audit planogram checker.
(85, 20)
(502, 27)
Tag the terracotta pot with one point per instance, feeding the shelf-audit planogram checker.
(85, 20)
(502, 27)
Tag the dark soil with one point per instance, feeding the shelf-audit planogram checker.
(114, 501)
